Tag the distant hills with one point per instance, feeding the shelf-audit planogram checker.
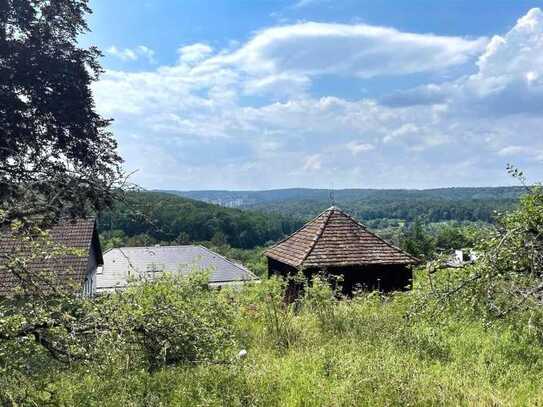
(248, 198)
(431, 205)
(246, 219)
(153, 217)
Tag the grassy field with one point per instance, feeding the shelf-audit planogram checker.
(320, 352)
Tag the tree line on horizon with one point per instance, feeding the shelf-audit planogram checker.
(420, 226)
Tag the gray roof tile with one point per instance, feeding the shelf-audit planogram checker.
(124, 263)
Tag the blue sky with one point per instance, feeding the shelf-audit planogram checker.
(321, 93)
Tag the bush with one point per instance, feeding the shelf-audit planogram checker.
(178, 320)
(170, 321)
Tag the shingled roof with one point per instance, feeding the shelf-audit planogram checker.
(146, 262)
(335, 239)
(71, 240)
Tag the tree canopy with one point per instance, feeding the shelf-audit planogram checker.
(146, 218)
(57, 156)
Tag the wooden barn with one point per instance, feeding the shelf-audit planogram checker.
(337, 244)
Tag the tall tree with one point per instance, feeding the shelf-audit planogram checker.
(57, 156)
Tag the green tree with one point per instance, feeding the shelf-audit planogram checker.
(141, 240)
(508, 273)
(416, 241)
(183, 238)
(218, 239)
(57, 156)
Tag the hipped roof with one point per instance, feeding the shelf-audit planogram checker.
(143, 262)
(335, 239)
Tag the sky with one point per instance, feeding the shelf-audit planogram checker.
(251, 95)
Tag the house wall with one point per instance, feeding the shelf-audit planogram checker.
(89, 285)
(374, 277)
(276, 268)
(384, 278)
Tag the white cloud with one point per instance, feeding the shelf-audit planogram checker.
(194, 52)
(522, 151)
(514, 150)
(422, 95)
(278, 85)
(206, 132)
(356, 147)
(349, 49)
(125, 55)
(128, 54)
(508, 81)
(513, 53)
(146, 52)
(313, 162)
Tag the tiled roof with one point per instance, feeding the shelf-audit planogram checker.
(335, 239)
(65, 254)
(145, 262)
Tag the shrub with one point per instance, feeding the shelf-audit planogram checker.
(178, 320)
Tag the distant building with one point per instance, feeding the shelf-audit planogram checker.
(148, 263)
(78, 256)
(337, 244)
(461, 258)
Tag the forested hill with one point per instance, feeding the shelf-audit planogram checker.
(150, 217)
(430, 205)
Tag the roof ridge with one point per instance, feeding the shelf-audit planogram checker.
(315, 246)
(319, 233)
(157, 246)
(377, 236)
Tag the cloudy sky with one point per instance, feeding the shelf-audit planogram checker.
(320, 93)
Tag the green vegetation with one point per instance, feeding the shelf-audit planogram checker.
(427, 241)
(253, 259)
(471, 336)
(425, 223)
(148, 218)
(432, 205)
(323, 353)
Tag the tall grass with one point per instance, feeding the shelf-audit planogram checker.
(365, 351)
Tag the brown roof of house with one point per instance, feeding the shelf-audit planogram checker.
(335, 239)
(65, 254)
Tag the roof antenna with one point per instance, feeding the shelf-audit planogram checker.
(332, 198)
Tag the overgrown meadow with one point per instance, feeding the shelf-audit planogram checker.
(372, 349)
(460, 336)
